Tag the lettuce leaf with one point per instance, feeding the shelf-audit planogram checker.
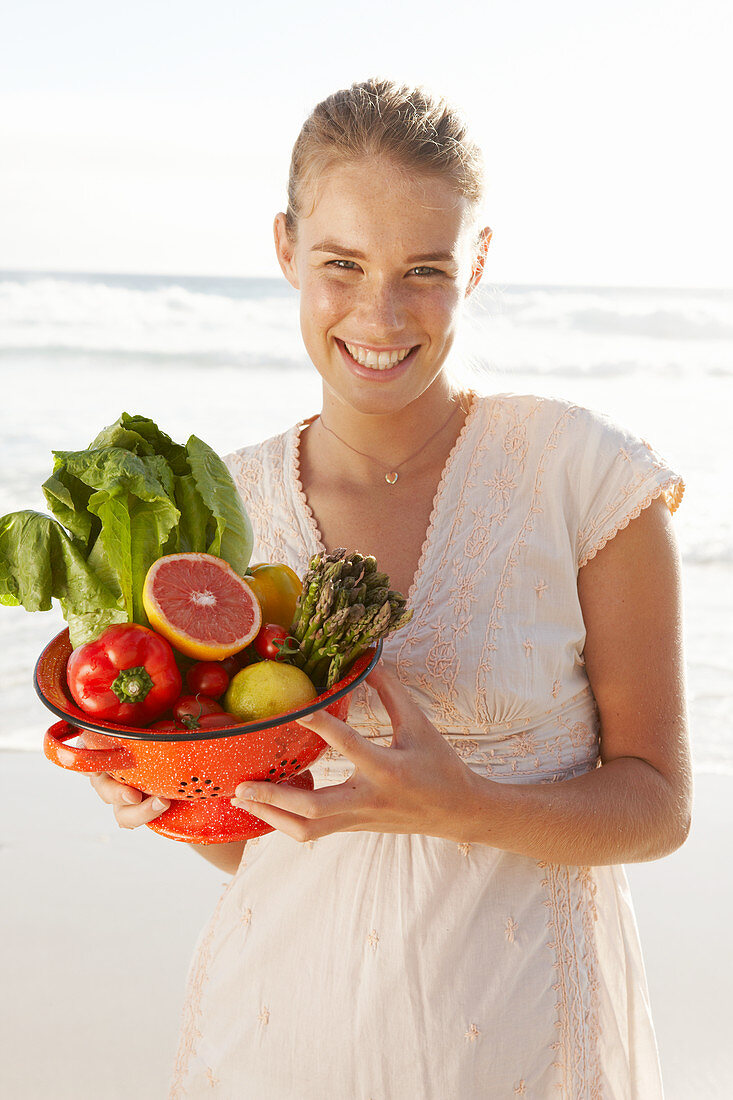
(232, 537)
(38, 560)
(132, 496)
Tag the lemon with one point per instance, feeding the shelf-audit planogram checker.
(266, 688)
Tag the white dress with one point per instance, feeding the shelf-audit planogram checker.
(370, 966)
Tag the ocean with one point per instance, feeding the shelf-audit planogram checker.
(222, 358)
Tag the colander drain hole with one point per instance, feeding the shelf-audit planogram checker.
(294, 765)
(204, 788)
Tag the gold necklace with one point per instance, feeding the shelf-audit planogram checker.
(391, 476)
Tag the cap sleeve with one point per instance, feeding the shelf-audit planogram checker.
(619, 476)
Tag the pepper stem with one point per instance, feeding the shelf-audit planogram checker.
(132, 684)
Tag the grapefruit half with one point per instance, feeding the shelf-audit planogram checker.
(201, 605)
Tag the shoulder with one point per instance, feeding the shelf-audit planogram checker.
(255, 465)
(540, 413)
(563, 425)
(536, 417)
(598, 473)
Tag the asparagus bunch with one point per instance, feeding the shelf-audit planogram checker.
(346, 606)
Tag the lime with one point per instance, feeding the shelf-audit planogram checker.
(266, 688)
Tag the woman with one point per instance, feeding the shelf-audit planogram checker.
(455, 921)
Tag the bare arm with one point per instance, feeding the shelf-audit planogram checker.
(637, 805)
(226, 857)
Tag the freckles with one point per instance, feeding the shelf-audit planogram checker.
(328, 297)
(438, 305)
(334, 297)
(440, 297)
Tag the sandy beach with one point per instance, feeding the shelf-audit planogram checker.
(99, 925)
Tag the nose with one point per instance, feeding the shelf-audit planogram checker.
(382, 308)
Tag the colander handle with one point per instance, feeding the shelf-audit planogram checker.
(77, 759)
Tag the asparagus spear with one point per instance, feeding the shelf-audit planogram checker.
(346, 606)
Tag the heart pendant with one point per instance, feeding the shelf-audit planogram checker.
(391, 478)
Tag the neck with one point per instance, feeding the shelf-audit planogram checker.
(387, 439)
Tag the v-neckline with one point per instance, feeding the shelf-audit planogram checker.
(310, 519)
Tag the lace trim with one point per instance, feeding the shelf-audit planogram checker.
(297, 484)
(673, 490)
(426, 546)
(311, 519)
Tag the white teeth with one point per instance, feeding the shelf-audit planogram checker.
(377, 360)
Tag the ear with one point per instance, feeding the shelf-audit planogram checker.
(285, 248)
(479, 262)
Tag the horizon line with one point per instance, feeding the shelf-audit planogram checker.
(280, 280)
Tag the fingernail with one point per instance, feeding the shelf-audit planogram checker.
(246, 794)
(160, 804)
(130, 798)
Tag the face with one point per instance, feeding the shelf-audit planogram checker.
(383, 262)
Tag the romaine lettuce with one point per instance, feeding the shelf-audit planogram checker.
(132, 496)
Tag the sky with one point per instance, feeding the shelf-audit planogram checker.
(155, 137)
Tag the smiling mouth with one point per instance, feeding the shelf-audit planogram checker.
(377, 360)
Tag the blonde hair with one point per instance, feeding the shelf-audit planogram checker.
(410, 126)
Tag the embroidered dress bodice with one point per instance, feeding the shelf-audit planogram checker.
(494, 652)
(391, 966)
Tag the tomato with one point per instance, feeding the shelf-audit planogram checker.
(169, 725)
(127, 675)
(208, 678)
(233, 664)
(271, 643)
(205, 722)
(218, 721)
(230, 664)
(195, 706)
(277, 589)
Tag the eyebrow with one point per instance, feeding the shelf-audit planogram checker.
(340, 250)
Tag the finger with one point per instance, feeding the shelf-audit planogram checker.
(308, 804)
(130, 817)
(343, 737)
(300, 828)
(113, 792)
(399, 704)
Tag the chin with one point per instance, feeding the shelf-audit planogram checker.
(380, 400)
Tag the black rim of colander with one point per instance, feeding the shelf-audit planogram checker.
(205, 735)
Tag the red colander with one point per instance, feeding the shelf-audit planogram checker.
(197, 770)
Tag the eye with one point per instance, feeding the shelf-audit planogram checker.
(426, 272)
(342, 265)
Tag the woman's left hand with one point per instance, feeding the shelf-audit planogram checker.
(418, 784)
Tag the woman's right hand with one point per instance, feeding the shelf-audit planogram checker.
(131, 807)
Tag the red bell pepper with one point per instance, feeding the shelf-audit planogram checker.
(127, 675)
